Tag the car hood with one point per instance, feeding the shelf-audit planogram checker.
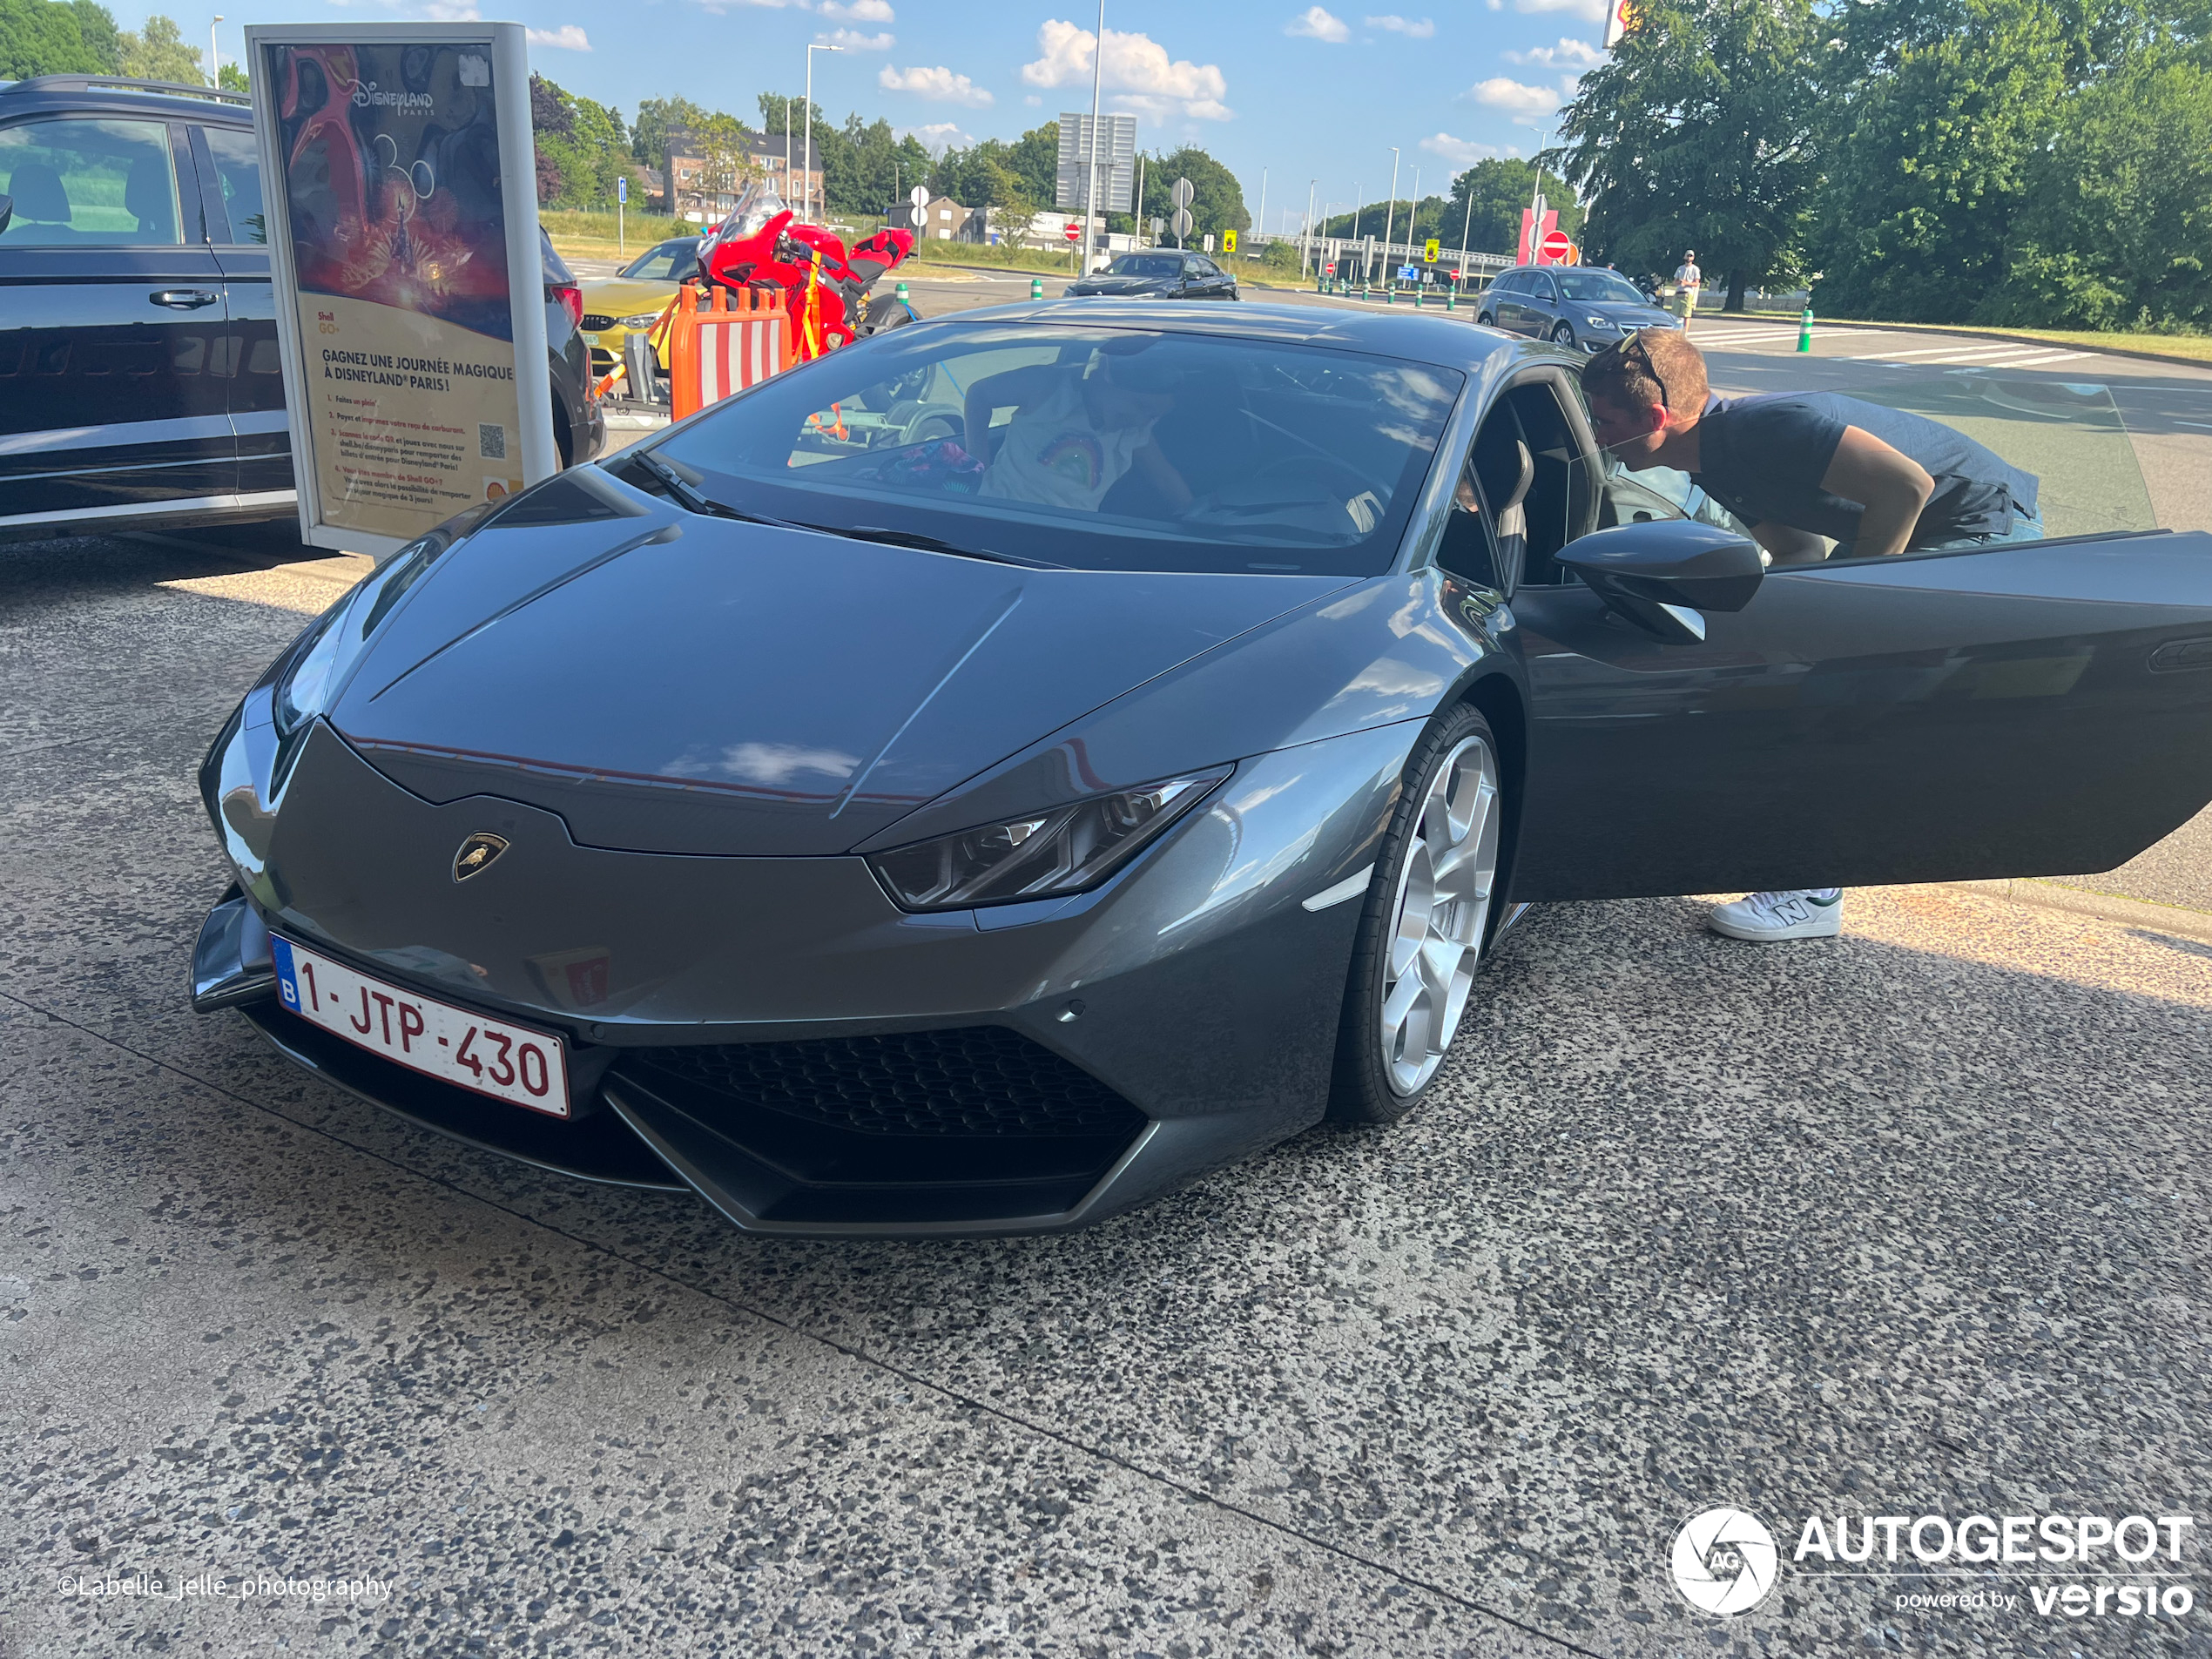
(682, 684)
(1628, 314)
(624, 296)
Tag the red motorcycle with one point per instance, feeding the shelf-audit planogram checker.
(764, 245)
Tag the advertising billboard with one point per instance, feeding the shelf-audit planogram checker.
(403, 241)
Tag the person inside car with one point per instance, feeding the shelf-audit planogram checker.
(1803, 469)
(1076, 431)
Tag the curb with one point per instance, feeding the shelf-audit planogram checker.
(2105, 906)
(1819, 323)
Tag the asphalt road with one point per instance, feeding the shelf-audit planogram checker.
(1912, 1221)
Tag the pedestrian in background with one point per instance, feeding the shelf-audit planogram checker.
(1688, 279)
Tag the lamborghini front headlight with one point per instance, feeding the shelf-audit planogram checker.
(1044, 855)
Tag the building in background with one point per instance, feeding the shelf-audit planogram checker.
(942, 220)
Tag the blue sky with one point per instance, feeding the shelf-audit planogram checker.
(1304, 92)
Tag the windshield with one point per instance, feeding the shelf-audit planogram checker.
(1146, 265)
(1599, 285)
(667, 263)
(1101, 449)
(758, 203)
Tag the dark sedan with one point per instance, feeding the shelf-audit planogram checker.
(988, 831)
(1161, 273)
(1571, 306)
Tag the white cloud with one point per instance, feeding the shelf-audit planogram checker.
(938, 86)
(1522, 102)
(853, 41)
(1032, 100)
(1459, 152)
(937, 137)
(860, 11)
(1134, 65)
(1568, 54)
(1398, 26)
(1315, 23)
(1588, 10)
(568, 37)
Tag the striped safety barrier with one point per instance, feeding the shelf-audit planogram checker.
(735, 340)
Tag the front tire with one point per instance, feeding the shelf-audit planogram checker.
(1426, 920)
(1563, 336)
(1485, 320)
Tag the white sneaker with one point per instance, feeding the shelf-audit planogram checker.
(1803, 913)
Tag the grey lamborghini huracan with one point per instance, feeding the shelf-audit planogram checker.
(977, 781)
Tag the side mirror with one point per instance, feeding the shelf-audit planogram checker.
(1661, 575)
(7, 210)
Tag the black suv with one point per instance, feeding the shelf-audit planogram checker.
(139, 379)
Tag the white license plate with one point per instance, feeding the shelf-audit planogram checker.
(508, 1062)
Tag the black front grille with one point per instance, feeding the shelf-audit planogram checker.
(594, 321)
(979, 1081)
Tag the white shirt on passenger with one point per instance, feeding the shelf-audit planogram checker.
(1056, 455)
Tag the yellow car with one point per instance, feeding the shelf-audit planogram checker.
(632, 298)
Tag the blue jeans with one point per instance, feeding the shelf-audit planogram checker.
(2027, 527)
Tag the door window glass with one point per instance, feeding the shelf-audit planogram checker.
(78, 184)
(237, 165)
(1539, 285)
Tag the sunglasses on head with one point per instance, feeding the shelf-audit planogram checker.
(1651, 368)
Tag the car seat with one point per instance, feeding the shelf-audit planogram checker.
(39, 195)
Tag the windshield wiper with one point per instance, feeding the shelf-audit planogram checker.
(693, 501)
(927, 545)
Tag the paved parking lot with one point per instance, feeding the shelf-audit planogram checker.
(1910, 1222)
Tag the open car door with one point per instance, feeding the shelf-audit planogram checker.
(2034, 708)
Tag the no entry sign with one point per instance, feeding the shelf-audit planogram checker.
(1074, 233)
(1556, 248)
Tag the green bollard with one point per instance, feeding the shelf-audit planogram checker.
(1390, 293)
(900, 294)
(1421, 297)
(1451, 299)
(1804, 331)
(1036, 287)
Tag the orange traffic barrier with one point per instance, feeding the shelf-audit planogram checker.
(738, 338)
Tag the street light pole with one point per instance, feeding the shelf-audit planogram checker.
(1261, 222)
(214, 59)
(806, 185)
(1390, 215)
(1090, 189)
(1305, 242)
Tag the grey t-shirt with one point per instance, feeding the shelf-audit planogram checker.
(1764, 457)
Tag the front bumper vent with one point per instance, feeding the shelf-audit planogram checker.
(978, 1081)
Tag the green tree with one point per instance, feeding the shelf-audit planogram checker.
(40, 38)
(1937, 158)
(582, 147)
(2115, 229)
(232, 78)
(103, 43)
(159, 53)
(1700, 133)
(656, 117)
(44, 37)
(1216, 200)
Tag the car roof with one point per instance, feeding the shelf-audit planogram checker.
(1446, 341)
(116, 94)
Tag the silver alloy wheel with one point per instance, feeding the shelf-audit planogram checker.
(1442, 903)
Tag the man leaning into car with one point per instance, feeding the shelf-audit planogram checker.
(1803, 469)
